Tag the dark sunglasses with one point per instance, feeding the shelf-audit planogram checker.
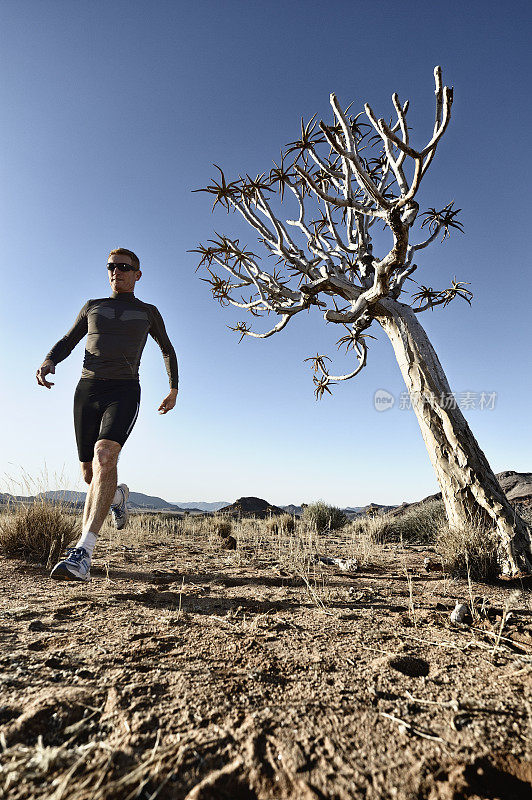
(121, 267)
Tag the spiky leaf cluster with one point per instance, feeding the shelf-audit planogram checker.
(428, 297)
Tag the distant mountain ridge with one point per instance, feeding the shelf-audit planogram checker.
(350, 510)
(516, 485)
(136, 499)
(201, 505)
(139, 501)
(251, 507)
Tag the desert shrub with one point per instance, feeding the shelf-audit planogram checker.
(324, 517)
(271, 525)
(472, 550)
(222, 526)
(282, 522)
(38, 532)
(420, 524)
(370, 529)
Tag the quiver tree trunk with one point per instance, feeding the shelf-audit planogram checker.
(470, 490)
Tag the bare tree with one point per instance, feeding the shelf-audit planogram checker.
(344, 178)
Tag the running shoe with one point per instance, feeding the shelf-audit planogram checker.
(75, 567)
(120, 512)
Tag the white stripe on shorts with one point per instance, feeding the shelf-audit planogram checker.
(134, 420)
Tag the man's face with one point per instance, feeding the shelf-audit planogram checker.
(122, 281)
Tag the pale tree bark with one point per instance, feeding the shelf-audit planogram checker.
(344, 178)
(470, 490)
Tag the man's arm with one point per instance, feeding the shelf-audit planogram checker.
(63, 347)
(158, 332)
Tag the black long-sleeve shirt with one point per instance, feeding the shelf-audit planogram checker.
(117, 328)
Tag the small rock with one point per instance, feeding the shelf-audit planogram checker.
(345, 564)
(460, 613)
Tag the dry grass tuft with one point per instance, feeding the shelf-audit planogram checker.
(470, 552)
(283, 523)
(364, 539)
(368, 530)
(221, 526)
(38, 532)
(323, 517)
(420, 525)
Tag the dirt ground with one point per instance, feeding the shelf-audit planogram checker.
(186, 671)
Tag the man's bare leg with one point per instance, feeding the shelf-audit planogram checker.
(101, 477)
(102, 488)
(86, 471)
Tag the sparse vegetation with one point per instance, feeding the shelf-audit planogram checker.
(324, 517)
(368, 529)
(469, 552)
(262, 619)
(364, 542)
(156, 525)
(282, 522)
(417, 525)
(39, 532)
(221, 526)
(42, 531)
(168, 516)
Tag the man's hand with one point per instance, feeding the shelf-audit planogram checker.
(168, 402)
(45, 368)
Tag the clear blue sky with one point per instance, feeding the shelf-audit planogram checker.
(112, 112)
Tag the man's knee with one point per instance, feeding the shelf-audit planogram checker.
(105, 455)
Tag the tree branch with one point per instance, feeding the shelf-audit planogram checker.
(329, 254)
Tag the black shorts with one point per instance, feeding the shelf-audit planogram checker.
(104, 409)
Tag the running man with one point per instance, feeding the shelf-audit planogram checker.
(107, 397)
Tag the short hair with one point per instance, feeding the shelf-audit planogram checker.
(122, 251)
